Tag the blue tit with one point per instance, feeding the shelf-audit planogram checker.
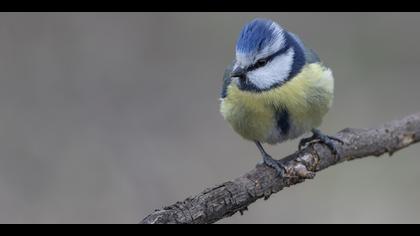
(276, 89)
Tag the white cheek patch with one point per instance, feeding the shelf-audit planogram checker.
(275, 72)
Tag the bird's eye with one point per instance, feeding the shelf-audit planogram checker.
(261, 62)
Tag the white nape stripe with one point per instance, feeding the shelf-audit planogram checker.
(275, 45)
(278, 42)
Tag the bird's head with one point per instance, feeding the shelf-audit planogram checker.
(266, 56)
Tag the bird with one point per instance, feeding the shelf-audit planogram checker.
(276, 89)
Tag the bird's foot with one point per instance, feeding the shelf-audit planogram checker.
(275, 164)
(322, 138)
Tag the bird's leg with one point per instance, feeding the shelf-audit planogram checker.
(269, 161)
(322, 138)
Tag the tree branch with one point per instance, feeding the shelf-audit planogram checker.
(226, 199)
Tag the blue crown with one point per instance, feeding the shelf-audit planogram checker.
(255, 36)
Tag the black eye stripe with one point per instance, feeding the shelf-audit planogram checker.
(256, 65)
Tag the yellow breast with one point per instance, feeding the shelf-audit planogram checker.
(307, 98)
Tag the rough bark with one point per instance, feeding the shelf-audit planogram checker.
(226, 199)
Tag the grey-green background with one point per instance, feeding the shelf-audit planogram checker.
(105, 117)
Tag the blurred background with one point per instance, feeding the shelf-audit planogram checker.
(105, 117)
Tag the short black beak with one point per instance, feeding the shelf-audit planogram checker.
(238, 72)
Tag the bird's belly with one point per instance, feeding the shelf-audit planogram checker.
(251, 121)
(261, 124)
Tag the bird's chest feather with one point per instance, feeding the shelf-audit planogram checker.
(281, 113)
